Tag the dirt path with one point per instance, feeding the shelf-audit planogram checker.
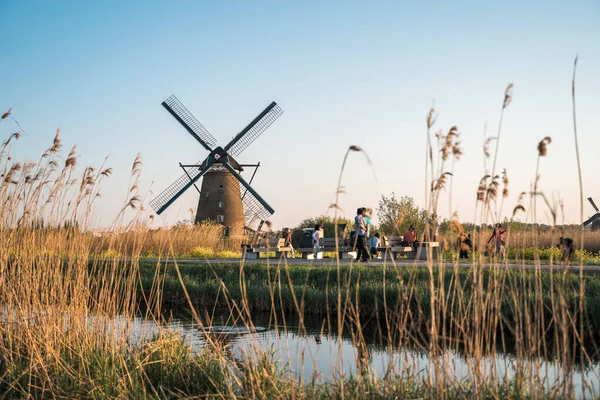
(588, 269)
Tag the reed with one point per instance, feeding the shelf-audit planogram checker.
(188, 241)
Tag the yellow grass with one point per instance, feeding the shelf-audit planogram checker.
(186, 241)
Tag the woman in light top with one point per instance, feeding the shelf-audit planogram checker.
(367, 215)
(315, 239)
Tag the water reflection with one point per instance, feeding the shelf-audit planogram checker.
(311, 348)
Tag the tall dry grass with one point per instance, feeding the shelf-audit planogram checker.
(185, 240)
(591, 239)
(51, 309)
(528, 239)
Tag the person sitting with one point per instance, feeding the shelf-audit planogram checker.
(375, 245)
(410, 237)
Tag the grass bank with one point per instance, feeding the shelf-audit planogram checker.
(376, 292)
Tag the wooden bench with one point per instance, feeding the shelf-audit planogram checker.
(392, 246)
(344, 249)
(252, 251)
(395, 245)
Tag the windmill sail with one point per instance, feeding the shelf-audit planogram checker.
(176, 189)
(254, 211)
(255, 208)
(250, 133)
(593, 204)
(189, 122)
(592, 219)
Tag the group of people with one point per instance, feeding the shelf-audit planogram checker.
(464, 243)
(362, 227)
(367, 246)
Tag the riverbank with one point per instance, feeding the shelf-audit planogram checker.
(514, 299)
(543, 265)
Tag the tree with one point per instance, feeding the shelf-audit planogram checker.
(396, 216)
(326, 223)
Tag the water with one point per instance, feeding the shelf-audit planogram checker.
(312, 350)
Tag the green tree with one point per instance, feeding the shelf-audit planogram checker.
(326, 223)
(397, 215)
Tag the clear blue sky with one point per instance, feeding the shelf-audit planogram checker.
(345, 73)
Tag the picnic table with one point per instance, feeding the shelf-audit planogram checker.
(265, 245)
(394, 246)
(344, 249)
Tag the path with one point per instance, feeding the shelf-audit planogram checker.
(329, 262)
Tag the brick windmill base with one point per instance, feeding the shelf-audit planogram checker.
(221, 201)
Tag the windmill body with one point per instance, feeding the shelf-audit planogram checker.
(225, 197)
(221, 201)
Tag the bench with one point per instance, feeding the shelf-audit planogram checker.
(252, 251)
(345, 251)
(395, 245)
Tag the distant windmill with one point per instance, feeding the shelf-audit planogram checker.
(224, 193)
(594, 221)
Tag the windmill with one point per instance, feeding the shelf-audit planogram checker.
(594, 221)
(225, 197)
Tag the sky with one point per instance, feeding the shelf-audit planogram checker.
(344, 72)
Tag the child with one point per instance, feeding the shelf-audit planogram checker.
(375, 245)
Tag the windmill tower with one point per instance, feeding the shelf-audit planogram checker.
(225, 197)
(594, 221)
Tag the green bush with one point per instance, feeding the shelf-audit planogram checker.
(326, 222)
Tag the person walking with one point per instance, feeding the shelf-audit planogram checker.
(287, 235)
(499, 245)
(315, 240)
(360, 227)
(367, 214)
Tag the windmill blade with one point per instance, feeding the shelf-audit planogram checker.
(254, 205)
(176, 189)
(254, 129)
(593, 204)
(591, 219)
(254, 211)
(189, 122)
